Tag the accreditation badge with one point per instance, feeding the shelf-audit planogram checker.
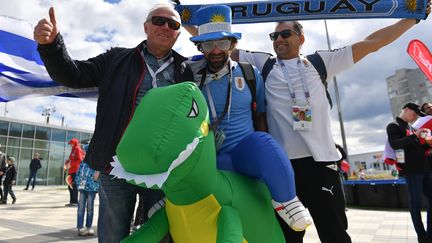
(400, 156)
(82, 184)
(302, 117)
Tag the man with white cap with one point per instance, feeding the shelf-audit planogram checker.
(230, 99)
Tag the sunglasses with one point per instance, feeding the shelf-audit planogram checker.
(160, 21)
(208, 46)
(284, 33)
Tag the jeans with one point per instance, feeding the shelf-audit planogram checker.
(32, 176)
(7, 189)
(418, 184)
(116, 207)
(86, 200)
(258, 149)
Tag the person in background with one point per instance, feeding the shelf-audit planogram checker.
(123, 76)
(427, 108)
(87, 180)
(406, 141)
(361, 174)
(9, 181)
(71, 165)
(35, 165)
(2, 171)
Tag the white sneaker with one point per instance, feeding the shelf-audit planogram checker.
(293, 213)
(90, 231)
(82, 232)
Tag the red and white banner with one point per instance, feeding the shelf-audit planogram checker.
(422, 56)
(423, 122)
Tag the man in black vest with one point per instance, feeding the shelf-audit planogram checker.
(410, 153)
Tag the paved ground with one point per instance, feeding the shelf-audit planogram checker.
(40, 216)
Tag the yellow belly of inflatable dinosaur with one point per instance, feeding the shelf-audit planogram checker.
(194, 223)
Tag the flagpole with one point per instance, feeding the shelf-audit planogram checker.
(5, 109)
(338, 105)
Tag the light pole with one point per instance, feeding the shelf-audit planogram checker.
(48, 112)
(5, 109)
(339, 110)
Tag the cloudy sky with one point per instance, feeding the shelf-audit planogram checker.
(91, 27)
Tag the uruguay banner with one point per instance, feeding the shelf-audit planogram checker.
(422, 56)
(275, 11)
(22, 72)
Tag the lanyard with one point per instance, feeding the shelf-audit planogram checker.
(285, 71)
(161, 68)
(217, 120)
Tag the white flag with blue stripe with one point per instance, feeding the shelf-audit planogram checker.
(22, 72)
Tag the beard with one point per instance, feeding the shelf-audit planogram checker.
(217, 62)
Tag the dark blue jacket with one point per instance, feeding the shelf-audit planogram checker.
(415, 159)
(118, 74)
(35, 165)
(10, 175)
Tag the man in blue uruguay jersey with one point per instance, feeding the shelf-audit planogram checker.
(229, 97)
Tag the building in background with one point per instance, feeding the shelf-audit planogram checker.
(408, 85)
(22, 139)
(372, 163)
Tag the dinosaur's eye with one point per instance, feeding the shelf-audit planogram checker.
(194, 110)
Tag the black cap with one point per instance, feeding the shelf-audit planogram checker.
(414, 107)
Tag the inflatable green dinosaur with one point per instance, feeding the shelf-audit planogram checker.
(168, 145)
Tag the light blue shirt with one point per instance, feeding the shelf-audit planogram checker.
(237, 123)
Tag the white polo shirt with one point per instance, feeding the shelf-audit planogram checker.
(317, 142)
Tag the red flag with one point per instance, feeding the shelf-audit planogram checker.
(422, 56)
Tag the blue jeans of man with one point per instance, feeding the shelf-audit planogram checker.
(85, 203)
(32, 177)
(418, 184)
(116, 207)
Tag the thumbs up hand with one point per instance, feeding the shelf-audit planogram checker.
(46, 31)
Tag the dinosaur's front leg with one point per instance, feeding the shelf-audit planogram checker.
(229, 227)
(152, 231)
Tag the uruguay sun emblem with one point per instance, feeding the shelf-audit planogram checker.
(411, 5)
(217, 18)
(186, 15)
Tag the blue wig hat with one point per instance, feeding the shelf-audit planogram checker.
(214, 23)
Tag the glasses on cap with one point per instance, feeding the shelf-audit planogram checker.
(160, 21)
(284, 33)
(208, 46)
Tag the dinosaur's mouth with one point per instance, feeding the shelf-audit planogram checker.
(154, 179)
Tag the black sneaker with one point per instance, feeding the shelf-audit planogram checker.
(25, 189)
(13, 201)
(3, 202)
